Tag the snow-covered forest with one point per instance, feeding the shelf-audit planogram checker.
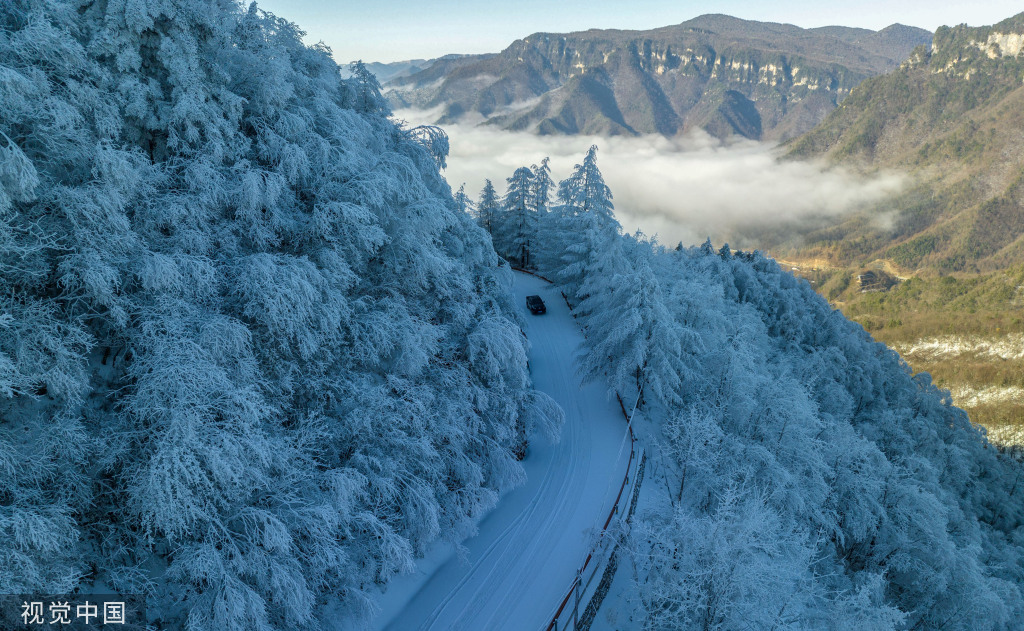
(256, 357)
(807, 479)
(253, 359)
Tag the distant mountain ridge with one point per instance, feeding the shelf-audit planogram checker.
(954, 116)
(396, 69)
(715, 72)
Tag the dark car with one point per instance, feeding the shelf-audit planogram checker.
(535, 305)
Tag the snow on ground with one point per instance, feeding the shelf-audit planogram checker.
(1004, 348)
(951, 346)
(1006, 435)
(622, 609)
(968, 397)
(518, 567)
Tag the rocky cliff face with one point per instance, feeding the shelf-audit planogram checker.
(962, 49)
(952, 115)
(718, 73)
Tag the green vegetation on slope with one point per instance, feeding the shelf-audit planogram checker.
(943, 325)
(953, 118)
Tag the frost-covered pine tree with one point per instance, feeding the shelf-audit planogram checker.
(545, 251)
(463, 203)
(367, 95)
(487, 209)
(627, 322)
(518, 230)
(583, 227)
(543, 186)
(585, 191)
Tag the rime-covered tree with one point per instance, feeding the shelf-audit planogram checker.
(488, 208)
(463, 203)
(518, 225)
(252, 358)
(545, 252)
(628, 322)
(366, 95)
(543, 186)
(585, 191)
(583, 227)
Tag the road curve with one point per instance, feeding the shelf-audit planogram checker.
(528, 548)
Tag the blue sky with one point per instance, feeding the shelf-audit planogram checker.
(392, 30)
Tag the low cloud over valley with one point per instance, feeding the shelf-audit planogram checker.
(680, 189)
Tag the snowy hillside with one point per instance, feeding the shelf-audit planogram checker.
(802, 477)
(256, 360)
(511, 572)
(251, 356)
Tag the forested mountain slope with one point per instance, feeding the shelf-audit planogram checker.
(801, 476)
(252, 358)
(951, 118)
(952, 115)
(714, 72)
(255, 358)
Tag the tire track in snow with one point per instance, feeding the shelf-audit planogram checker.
(527, 549)
(502, 547)
(487, 574)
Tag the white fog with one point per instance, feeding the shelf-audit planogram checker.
(680, 189)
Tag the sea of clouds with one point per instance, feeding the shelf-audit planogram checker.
(683, 189)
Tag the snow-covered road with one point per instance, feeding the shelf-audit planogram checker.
(528, 548)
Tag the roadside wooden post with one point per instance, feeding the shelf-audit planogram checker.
(576, 607)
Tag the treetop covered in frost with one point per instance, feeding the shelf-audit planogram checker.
(252, 358)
